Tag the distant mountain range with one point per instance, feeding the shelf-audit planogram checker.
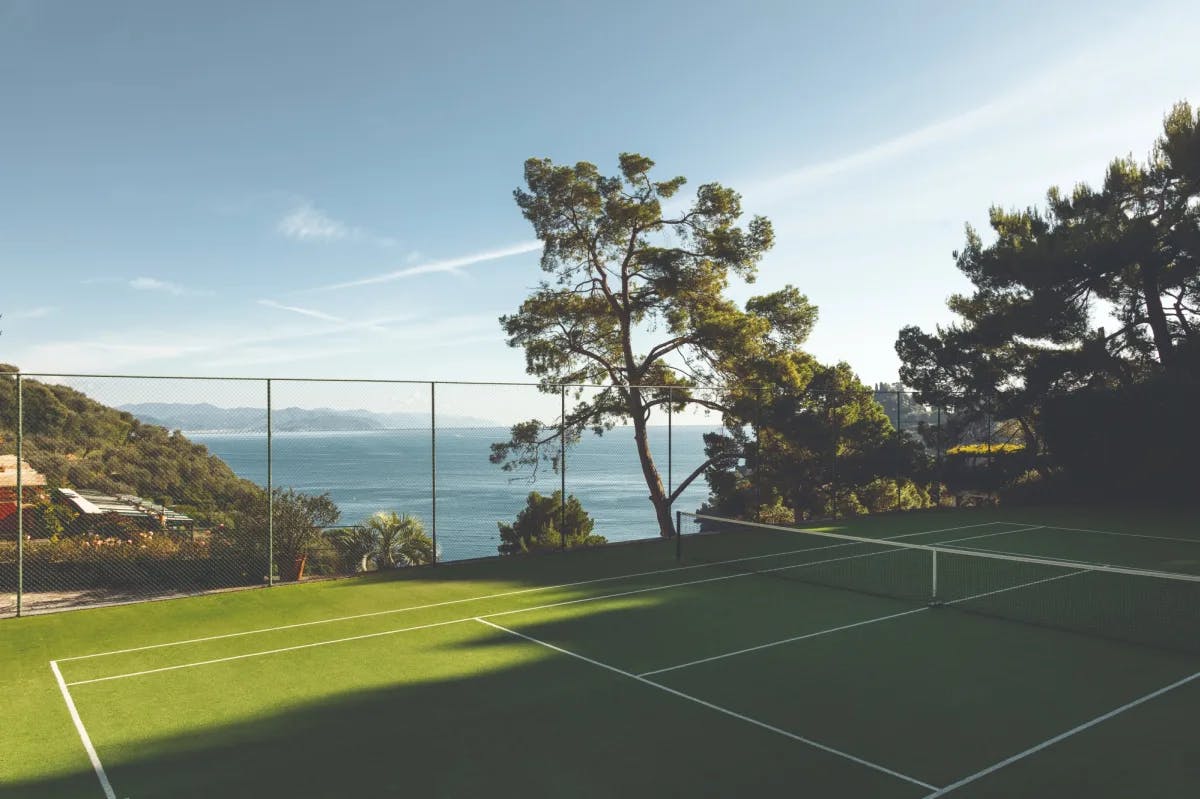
(205, 417)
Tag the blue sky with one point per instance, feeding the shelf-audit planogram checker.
(324, 189)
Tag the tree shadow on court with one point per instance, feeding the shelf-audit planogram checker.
(538, 724)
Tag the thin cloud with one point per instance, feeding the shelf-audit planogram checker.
(433, 267)
(154, 284)
(1037, 99)
(40, 312)
(306, 223)
(327, 317)
(128, 347)
(377, 325)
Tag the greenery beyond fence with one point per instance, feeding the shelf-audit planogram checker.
(122, 497)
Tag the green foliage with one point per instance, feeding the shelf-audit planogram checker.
(820, 449)
(1036, 488)
(775, 513)
(298, 526)
(353, 546)
(637, 298)
(1029, 330)
(138, 559)
(881, 495)
(543, 524)
(384, 541)
(399, 540)
(77, 442)
(1148, 448)
(1001, 448)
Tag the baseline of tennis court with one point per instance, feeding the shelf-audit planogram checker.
(700, 678)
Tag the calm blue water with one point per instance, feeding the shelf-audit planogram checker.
(365, 472)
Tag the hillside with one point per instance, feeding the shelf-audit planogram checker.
(78, 442)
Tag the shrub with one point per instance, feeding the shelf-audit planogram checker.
(537, 526)
(775, 513)
(89, 562)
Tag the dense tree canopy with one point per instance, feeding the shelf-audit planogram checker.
(1035, 322)
(821, 448)
(1100, 289)
(635, 303)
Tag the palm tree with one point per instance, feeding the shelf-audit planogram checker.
(355, 545)
(400, 540)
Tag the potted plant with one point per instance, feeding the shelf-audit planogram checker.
(298, 521)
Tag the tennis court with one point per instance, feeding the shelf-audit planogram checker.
(969, 654)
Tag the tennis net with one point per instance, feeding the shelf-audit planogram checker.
(1150, 608)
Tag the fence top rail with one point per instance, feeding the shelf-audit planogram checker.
(975, 553)
(403, 381)
(353, 380)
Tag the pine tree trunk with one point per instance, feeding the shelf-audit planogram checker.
(1157, 317)
(658, 495)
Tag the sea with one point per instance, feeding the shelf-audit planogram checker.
(393, 470)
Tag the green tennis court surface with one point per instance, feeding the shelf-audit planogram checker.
(762, 662)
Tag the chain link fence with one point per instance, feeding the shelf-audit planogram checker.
(116, 489)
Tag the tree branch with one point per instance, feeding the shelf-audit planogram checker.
(699, 470)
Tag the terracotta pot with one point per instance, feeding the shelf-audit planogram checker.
(290, 572)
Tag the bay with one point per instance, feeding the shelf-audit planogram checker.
(381, 470)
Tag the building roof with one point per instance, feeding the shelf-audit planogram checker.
(93, 502)
(8, 473)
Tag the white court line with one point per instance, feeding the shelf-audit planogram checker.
(83, 735)
(1124, 535)
(717, 708)
(1022, 585)
(547, 606)
(499, 595)
(460, 620)
(1062, 736)
(795, 638)
(267, 652)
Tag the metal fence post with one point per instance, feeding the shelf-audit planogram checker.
(433, 468)
(670, 439)
(758, 451)
(937, 455)
(562, 466)
(991, 470)
(270, 497)
(837, 435)
(20, 497)
(899, 450)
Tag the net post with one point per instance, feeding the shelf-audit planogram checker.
(270, 497)
(933, 594)
(562, 467)
(433, 468)
(678, 535)
(20, 498)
